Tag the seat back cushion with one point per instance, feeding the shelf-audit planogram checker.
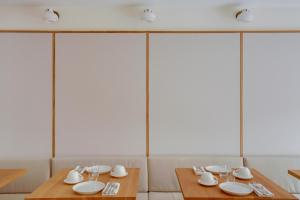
(38, 171)
(128, 161)
(12, 196)
(162, 176)
(165, 196)
(276, 168)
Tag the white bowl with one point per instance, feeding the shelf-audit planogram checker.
(113, 174)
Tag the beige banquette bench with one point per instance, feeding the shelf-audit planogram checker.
(157, 176)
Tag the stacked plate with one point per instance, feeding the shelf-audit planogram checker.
(235, 188)
(88, 187)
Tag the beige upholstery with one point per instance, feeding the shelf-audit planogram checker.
(276, 168)
(38, 171)
(140, 196)
(165, 196)
(297, 195)
(162, 177)
(12, 196)
(127, 161)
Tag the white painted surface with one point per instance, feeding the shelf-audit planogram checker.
(172, 14)
(194, 94)
(25, 85)
(100, 94)
(272, 94)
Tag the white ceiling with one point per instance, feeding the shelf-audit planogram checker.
(204, 3)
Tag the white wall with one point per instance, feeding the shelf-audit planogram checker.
(100, 97)
(179, 15)
(194, 94)
(25, 85)
(272, 94)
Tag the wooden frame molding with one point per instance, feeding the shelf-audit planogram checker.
(241, 94)
(53, 93)
(147, 93)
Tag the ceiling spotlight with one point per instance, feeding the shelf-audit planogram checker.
(51, 15)
(149, 15)
(244, 15)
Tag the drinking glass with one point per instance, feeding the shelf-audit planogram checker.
(224, 174)
(93, 175)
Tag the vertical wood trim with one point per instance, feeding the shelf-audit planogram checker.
(147, 94)
(241, 94)
(53, 94)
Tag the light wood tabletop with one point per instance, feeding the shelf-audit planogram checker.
(192, 190)
(295, 173)
(55, 188)
(9, 175)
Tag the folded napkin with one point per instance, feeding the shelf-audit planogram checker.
(198, 170)
(261, 190)
(111, 188)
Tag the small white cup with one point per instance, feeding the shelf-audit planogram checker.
(207, 178)
(244, 172)
(74, 175)
(119, 170)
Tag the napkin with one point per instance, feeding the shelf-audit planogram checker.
(261, 190)
(198, 170)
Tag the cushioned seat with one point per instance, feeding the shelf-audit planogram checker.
(140, 196)
(162, 177)
(276, 168)
(12, 196)
(297, 195)
(128, 161)
(38, 171)
(165, 196)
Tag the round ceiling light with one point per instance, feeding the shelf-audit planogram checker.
(149, 15)
(244, 15)
(51, 15)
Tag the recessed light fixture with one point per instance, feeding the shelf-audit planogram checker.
(244, 15)
(149, 15)
(51, 15)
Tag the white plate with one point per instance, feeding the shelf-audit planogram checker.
(235, 188)
(208, 184)
(88, 187)
(216, 169)
(118, 176)
(101, 169)
(235, 174)
(72, 181)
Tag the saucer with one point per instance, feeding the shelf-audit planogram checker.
(215, 182)
(88, 187)
(72, 181)
(117, 175)
(235, 174)
(101, 169)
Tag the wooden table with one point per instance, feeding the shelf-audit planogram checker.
(193, 191)
(295, 173)
(55, 188)
(9, 175)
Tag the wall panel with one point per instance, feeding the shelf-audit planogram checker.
(194, 94)
(272, 94)
(100, 98)
(25, 93)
